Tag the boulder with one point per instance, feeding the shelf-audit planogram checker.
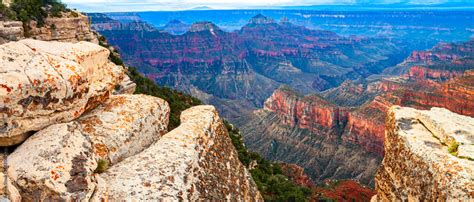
(43, 83)
(193, 162)
(60, 161)
(418, 165)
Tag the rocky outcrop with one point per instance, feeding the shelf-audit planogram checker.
(363, 126)
(70, 27)
(43, 83)
(192, 162)
(58, 162)
(309, 112)
(423, 158)
(11, 31)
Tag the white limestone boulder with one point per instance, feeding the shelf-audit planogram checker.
(58, 162)
(43, 83)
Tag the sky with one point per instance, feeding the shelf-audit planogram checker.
(167, 5)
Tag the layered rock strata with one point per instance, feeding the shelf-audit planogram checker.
(72, 26)
(192, 162)
(42, 83)
(421, 161)
(11, 31)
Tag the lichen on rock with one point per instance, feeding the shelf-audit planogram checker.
(59, 161)
(42, 83)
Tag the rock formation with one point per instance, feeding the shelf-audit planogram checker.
(58, 162)
(72, 26)
(63, 97)
(43, 83)
(191, 162)
(315, 134)
(428, 156)
(11, 31)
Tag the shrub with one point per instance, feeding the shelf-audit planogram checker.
(28, 10)
(453, 148)
(178, 101)
(102, 165)
(7, 13)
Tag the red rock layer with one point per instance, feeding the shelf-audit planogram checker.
(312, 112)
(364, 127)
(419, 72)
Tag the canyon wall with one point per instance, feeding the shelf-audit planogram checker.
(428, 156)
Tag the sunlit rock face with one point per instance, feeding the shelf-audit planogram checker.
(58, 162)
(67, 28)
(191, 162)
(428, 156)
(72, 26)
(315, 134)
(43, 83)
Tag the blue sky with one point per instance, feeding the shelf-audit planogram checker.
(153, 5)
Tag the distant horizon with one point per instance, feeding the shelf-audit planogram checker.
(189, 5)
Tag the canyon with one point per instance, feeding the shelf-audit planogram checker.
(236, 71)
(319, 105)
(301, 96)
(353, 115)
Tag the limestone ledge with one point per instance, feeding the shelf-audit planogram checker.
(417, 164)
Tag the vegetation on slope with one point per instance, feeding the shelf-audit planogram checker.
(33, 10)
(268, 176)
(178, 101)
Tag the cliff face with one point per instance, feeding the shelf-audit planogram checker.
(428, 156)
(101, 22)
(71, 27)
(83, 143)
(363, 126)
